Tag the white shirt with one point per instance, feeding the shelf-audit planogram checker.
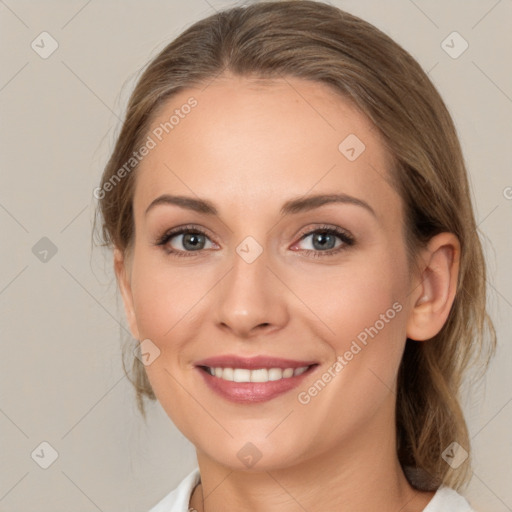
(445, 499)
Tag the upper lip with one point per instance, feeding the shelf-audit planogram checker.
(232, 361)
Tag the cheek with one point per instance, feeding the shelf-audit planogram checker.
(353, 297)
(166, 301)
(164, 296)
(362, 309)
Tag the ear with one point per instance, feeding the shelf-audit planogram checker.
(434, 290)
(122, 270)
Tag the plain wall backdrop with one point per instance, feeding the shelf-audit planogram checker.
(61, 379)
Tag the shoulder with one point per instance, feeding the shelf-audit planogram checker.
(179, 499)
(447, 499)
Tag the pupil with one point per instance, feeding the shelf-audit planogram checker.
(321, 239)
(192, 239)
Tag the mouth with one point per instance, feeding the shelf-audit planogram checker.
(249, 380)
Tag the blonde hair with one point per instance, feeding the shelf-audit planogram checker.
(320, 43)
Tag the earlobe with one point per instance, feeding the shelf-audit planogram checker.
(122, 274)
(434, 292)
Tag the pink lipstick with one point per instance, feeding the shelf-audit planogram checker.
(255, 379)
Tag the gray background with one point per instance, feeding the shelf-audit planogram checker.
(61, 376)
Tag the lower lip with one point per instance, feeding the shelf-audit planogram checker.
(252, 392)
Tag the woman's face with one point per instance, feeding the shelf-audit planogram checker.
(262, 278)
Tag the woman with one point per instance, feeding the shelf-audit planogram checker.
(298, 258)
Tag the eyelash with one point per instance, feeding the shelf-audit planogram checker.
(345, 237)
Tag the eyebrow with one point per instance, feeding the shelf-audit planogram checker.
(291, 206)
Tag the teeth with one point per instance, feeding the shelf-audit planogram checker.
(227, 374)
(275, 374)
(298, 371)
(258, 375)
(241, 375)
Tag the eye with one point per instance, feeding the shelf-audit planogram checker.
(323, 241)
(192, 240)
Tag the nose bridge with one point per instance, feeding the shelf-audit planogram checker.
(250, 295)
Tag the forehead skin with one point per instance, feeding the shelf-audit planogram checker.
(249, 145)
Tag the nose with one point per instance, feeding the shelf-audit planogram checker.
(251, 299)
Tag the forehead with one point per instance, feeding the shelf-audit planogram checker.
(251, 144)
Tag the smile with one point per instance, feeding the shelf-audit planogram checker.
(251, 380)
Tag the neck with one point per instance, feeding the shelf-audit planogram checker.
(361, 474)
